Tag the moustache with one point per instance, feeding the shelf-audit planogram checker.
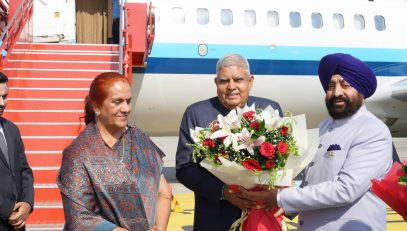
(332, 100)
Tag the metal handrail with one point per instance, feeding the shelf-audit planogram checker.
(124, 41)
(8, 37)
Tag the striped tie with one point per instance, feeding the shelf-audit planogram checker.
(3, 146)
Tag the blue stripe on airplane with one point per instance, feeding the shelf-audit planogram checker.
(215, 51)
(258, 66)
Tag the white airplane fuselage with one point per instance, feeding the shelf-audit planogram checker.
(283, 41)
(283, 58)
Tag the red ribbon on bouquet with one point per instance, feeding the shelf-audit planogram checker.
(257, 219)
(391, 192)
(261, 220)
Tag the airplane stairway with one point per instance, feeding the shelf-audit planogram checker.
(47, 86)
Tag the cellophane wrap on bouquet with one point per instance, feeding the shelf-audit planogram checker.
(250, 147)
(392, 189)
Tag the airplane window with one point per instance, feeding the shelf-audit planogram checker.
(295, 19)
(338, 21)
(359, 22)
(316, 19)
(226, 17)
(272, 18)
(178, 15)
(380, 23)
(202, 16)
(250, 17)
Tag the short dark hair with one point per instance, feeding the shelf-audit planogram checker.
(3, 78)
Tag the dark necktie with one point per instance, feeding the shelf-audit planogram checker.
(3, 147)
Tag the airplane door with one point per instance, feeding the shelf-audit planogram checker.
(94, 21)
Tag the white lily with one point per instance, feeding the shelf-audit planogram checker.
(231, 120)
(247, 142)
(226, 125)
(270, 117)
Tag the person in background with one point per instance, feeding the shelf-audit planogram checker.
(16, 177)
(111, 175)
(355, 147)
(216, 208)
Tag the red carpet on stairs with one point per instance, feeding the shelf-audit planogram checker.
(47, 86)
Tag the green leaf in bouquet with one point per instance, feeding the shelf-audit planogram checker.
(262, 127)
(404, 168)
(403, 180)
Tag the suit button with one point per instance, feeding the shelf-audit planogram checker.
(320, 146)
(305, 183)
(301, 222)
(330, 129)
(311, 164)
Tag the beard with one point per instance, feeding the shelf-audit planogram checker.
(341, 112)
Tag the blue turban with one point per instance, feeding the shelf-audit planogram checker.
(352, 70)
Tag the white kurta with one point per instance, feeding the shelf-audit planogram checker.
(336, 193)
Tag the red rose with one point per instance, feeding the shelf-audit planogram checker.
(222, 139)
(249, 115)
(215, 125)
(255, 125)
(282, 147)
(267, 150)
(209, 143)
(284, 130)
(270, 164)
(251, 165)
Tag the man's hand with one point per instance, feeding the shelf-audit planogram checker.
(19, 215)
(238, 199)
(267, 198)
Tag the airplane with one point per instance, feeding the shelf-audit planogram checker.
(283, 41)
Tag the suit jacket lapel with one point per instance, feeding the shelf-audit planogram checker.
(10, 145)
(4, 159)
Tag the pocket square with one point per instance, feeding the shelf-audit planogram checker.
(334, 147)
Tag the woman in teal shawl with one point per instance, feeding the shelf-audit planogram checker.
(111, 175)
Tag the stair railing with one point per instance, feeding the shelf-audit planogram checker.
(13, 29)
(125, 55)
(125, 51)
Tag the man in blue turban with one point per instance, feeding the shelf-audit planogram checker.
(354, 148)
(355, 74)
(354, 71)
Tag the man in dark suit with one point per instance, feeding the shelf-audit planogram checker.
(216, 208)
(16, 178)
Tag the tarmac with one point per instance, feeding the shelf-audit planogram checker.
(182, 214)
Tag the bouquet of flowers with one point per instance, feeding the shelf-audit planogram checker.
(393, 188)
(250, 147)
